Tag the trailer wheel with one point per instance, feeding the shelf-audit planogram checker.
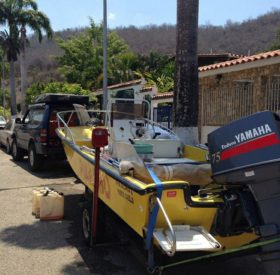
(86, 223)
(87, 220)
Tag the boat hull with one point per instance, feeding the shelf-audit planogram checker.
(129, 198)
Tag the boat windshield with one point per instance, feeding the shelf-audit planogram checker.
(125, 110)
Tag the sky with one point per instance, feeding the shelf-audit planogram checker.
(65, 14)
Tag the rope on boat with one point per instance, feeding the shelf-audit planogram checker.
(160, 269)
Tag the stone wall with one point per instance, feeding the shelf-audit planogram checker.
(229, 96)
(256, 80)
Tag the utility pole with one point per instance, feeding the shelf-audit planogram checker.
(105, 78)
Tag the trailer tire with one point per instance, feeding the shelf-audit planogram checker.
(86, 223)
(87, 220)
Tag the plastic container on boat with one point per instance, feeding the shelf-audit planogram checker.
(144, 150)
(51, 206)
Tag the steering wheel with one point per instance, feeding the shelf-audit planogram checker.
(143, 130)
(94, 121)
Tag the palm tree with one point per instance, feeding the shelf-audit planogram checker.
(10, 44)
(19, 14)
(185, 117)
(39, 23)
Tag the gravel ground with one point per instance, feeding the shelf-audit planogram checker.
(30, 246)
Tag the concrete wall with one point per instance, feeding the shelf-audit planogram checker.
(205, 130)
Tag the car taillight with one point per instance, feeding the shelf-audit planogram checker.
(43, 135)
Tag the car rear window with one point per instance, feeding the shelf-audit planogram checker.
(36, 116)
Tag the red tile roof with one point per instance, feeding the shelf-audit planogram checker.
(123, 84)
(229, 55)
(241, 60)
(146, 89)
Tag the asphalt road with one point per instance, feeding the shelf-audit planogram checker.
(29, 246)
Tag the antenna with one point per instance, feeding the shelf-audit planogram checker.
(105, 79)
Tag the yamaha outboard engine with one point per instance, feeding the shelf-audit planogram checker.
(245, 157)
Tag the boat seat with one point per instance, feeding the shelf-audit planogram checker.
(125, 150)
(163, 148)
(82, 114)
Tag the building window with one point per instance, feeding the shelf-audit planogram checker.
(272, 94)
(127, 93)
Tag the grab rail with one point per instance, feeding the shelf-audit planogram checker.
(68, 131)
(60, 119)
(173, 246)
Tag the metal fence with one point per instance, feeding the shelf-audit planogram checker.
(272, 97)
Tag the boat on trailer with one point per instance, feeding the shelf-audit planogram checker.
(172, 195)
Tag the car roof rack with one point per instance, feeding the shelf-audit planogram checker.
(62, 99)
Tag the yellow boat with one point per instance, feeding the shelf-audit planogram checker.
(163, 190)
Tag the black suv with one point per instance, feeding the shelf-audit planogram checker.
(34, 135)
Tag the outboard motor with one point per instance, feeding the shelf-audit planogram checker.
(245, 156)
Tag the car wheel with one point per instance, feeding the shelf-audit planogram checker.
(34, 160)
(8, 147)
(17, 152)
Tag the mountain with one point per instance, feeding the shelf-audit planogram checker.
(248, 37)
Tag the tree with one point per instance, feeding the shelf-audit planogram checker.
(82, 60)
(56, 87)
(162, 82)
(157, 69)
(4, 112)
(185, 117)
(276, 43)
(38, 22)
(4, 93)
(17, 15)
(10, 44)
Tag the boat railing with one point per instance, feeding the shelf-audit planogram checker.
(173, 242)
(156, 124)
(120, 106)
(117, 104)
(67, 130)
(85, 118)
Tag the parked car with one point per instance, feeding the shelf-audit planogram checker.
(34, 135)
(6, 135)
(2, 122)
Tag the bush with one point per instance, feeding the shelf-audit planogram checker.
(5, 112)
